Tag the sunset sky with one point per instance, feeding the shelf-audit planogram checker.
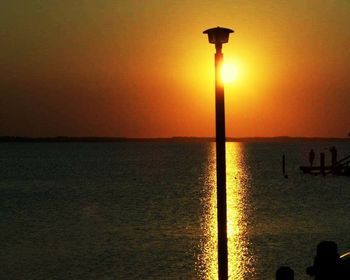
(144, 69)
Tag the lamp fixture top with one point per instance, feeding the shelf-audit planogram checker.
(218, 35)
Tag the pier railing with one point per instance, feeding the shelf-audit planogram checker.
(340, 166)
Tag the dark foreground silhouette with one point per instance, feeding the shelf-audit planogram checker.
(328, 265)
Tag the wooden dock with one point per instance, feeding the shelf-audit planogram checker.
(315, 169)
(341, 168)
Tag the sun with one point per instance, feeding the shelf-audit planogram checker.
(229, 73)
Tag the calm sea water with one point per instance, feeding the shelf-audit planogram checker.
(147, 210)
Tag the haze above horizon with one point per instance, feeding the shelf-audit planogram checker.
(144, 69)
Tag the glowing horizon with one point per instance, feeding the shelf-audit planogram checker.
(132, 69)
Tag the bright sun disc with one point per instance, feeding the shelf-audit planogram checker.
(229, 73)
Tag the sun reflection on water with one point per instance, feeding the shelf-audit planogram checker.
(240, 259)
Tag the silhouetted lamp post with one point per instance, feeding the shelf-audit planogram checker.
(219, 36)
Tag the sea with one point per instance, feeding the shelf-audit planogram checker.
(147, 210)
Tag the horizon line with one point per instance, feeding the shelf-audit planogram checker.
(167, 139)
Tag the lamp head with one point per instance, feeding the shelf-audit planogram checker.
(218, 35)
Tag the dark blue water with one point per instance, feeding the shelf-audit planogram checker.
(147, 210)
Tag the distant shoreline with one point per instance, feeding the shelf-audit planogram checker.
(63, 139)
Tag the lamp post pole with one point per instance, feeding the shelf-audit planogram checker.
(218, 36)
(221, 166)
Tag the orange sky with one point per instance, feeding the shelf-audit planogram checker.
(144, 68)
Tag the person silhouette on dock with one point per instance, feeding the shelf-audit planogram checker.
(311, 157)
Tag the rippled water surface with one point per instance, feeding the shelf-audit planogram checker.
(147, 210)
